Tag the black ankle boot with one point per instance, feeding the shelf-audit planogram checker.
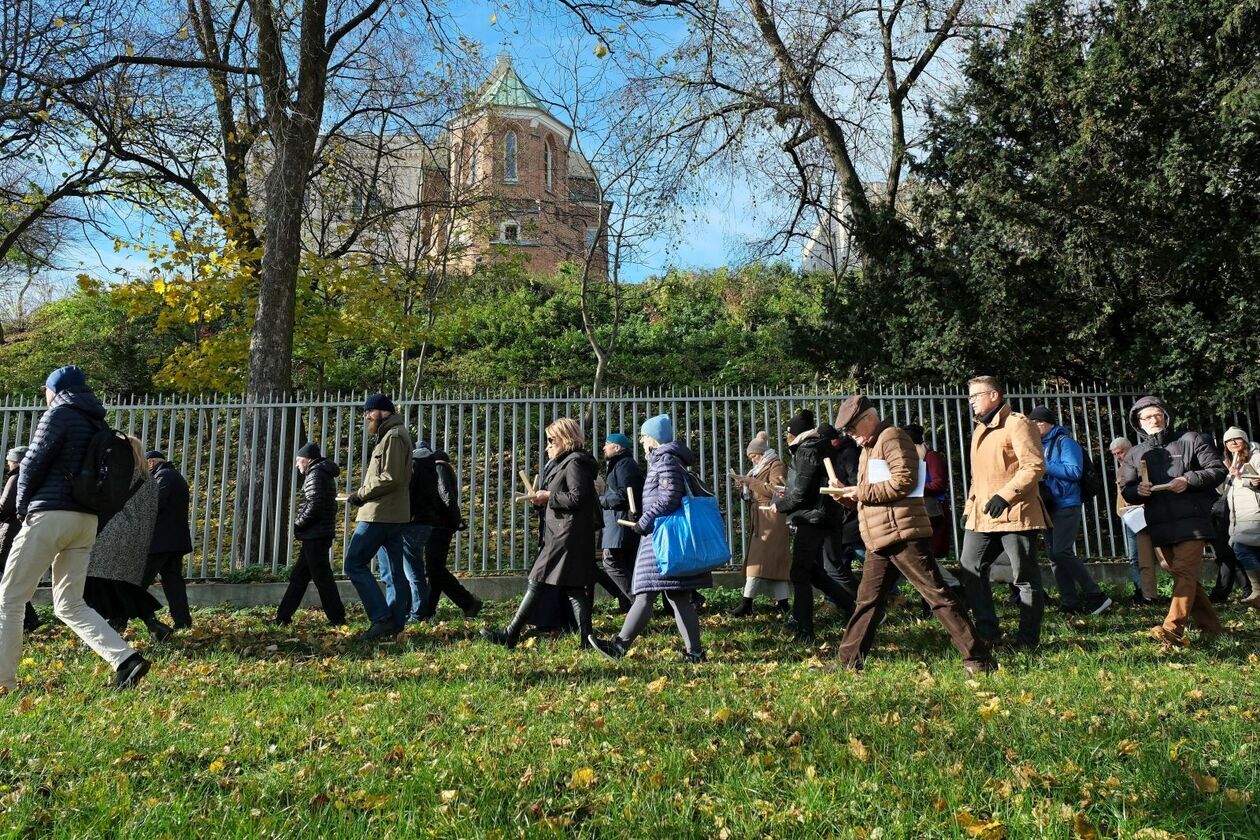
(784, 607)
(615, 648)
(694, 657)
(745, 608)
(505, 638)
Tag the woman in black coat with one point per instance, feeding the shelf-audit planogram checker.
(570, 519)
(10, 524)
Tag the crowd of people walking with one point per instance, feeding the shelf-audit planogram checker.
(108, 519)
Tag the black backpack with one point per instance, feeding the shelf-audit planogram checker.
(1091, 478)
(103, 481)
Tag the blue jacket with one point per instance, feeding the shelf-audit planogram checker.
(1065, 463)
(663, 490)
(623, 472)
(56, 453)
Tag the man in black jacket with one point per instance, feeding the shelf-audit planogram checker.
(416, 538)
(59, 532)
(1187, 470)
(619, 544)
(809, 517)
(844, 541)
(172, 539)
(434, 480)
(314, 526)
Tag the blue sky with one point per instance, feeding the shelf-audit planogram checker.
(711, 235)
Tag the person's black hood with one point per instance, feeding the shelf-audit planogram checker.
(324, 465)
(1161, 437)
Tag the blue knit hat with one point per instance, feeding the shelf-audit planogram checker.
(619, 439)
(660, 428)
(379, 401)
(65, 379)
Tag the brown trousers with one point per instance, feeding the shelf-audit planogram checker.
(1183, 561)
(913, 559)
(1146, 564)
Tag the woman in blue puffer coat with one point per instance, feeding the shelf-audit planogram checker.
(663, 490)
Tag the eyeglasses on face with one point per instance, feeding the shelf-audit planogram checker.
(978, 394)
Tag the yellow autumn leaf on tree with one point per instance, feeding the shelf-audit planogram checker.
(583, 777)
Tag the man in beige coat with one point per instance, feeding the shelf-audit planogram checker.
(384, 503)
(898, 534)
(1004, 512)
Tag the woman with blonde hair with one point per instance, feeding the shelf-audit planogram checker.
(571, 516)
(116, 566)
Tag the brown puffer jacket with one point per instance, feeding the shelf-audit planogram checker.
(1006, 461)
(886, 514)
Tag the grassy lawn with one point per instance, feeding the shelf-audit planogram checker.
(244, 730)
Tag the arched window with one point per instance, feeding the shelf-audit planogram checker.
(472, 165)
(547, 164)
(509, 156)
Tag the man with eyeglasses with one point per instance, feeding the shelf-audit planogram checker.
(1175, 476)
(384, 503)
(1004, 512)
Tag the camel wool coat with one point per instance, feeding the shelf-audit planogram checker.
(769, 549)
(1006, 461)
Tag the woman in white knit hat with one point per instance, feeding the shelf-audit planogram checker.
(769, 560)
(1242, 492)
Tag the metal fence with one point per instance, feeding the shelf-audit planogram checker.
(490, 438)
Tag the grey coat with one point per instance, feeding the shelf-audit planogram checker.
(121, 550)
(662, 494)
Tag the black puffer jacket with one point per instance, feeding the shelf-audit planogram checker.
(801, 501)
(316, 517)
(171, 534)
(1173, 517)
(845, 455)
(56, 453)
(435, 492)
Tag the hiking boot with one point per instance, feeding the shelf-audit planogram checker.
(131, 672)
(613, 649)
(1167, 639)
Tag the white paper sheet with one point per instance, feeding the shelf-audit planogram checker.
(877, 471)
(1134, 519)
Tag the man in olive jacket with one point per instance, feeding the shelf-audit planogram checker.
(1004, 512)
(384, 503)
(898, 534)
(1187, 469)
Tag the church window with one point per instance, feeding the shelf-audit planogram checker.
(509, 157)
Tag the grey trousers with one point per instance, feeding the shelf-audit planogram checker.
(979, 550)
(1069, 572)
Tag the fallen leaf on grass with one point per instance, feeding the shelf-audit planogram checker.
(991, 830)
(858, 750)
(1205, 783)
(1237, 798)
(448, 796)
(723, 715)
(583, 777)
(657, 685)
(1127, 747)
(1082, 829)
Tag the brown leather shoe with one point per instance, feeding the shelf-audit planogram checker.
(1159, 634)
(984, 666)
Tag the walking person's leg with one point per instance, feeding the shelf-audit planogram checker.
(1249, 557)
(1069, 571)
(176, 590)
(916, 563)
(1021, 548)
(394, 576)
(580, 604)
(441, 580)
(319, 568)
(688, 624)
(69, 572)
(618, 565)
(299, 577)
(415, 538)
(32, 553)
(806, 554)
(868, 610)
(365, 541)
(979, 550)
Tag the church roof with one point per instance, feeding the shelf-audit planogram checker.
(506, 88)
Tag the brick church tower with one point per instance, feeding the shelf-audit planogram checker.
(527, 190)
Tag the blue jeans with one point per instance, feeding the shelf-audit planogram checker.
(367, 539)
(1248, 555)
(1130, 546)
(415, 537)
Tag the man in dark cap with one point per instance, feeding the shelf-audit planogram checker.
(58, 532)
(314, 525)
(384, 503)
(620, 544)
(808, 513)
(897, 533)
(172, 539)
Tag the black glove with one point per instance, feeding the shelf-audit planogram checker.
(462, 526)
(996, 506)
(354, 499)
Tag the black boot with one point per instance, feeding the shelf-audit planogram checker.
(580, 603)
(31, 621)
(694, 657)
(803, 611)
(745, 608)
(784, 607)
(157, 629)
(614, 648)
(509, 636)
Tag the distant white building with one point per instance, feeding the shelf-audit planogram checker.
(829, 246)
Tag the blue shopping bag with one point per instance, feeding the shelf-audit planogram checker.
(692, 539)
